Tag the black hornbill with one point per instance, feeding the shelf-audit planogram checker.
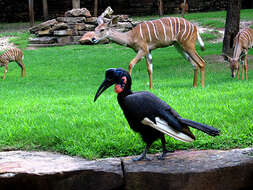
(149, 115)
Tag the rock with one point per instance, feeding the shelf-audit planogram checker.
(42, 40)
(80, 26)
(64, 40)
(43, 26)
(187, 170)
(76, 38)
(126, 26)
(67, 32)
(71, 20)
(91, 20)
(181, 170)
(60, 26)
(82, 32)
(90, 27)
(78, 13)
(76, 23)
(44, 32)
(51, 171)
(124, 18)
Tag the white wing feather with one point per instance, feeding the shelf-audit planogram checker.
(163, 127)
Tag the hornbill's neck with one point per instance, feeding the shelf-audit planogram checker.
(124, 94)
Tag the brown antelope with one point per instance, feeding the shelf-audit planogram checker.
(150, 35)
(10, 55)
(243, 41)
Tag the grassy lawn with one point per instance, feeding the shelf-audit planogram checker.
(53, 109)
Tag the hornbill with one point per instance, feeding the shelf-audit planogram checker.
(149, 115)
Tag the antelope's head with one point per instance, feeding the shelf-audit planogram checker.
(104, 29)
(234, 64)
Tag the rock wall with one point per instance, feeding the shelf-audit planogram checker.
(181, 170)
(70, 28)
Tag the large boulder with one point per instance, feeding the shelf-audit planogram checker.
(52, 171)
(78, 13)
(193, 170)
(181, 170)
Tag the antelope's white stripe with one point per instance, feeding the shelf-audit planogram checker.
(141, 31)
(242, 35)
(164, 31)
(184, 30)
(175, 25)
(245, 34)
(178, 26)
(236, 51)
(150, 38)
(191, 28)
(171, 28)
(188, 29)
(249, 37)
(154, 30)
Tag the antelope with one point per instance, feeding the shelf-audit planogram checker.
(150, 35)
(243, 41)
(10, 55)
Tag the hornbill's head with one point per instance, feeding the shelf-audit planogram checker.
(119, 77)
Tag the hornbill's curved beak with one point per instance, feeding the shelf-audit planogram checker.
(106, 84)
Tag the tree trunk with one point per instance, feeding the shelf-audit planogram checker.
(95, 8)
(31, 12)
(161, 7)
(45, 10)
(232, 25)
(76, 4)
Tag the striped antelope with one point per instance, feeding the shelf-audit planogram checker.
(10, 55)
(243, 41)
(153, 34)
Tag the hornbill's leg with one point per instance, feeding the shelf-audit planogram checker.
(143, 155)
(165, 150)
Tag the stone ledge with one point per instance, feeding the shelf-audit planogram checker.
(187, 170)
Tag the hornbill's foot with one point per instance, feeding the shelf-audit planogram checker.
(141, 157)
(162, 156)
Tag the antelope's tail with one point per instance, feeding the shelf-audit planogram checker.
(201, 43)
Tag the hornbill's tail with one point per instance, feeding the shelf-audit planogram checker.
(202, 127)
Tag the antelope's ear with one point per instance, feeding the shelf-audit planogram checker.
(114, 20)
(226, 58)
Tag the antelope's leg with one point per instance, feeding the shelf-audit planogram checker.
(5, 69)
(238, 72)
(188, 58)
(135, 60)
(245, 67)
(243, 62)
(201, 63)
(150, 69)
(22, 66)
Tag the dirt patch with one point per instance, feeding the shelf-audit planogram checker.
(202, 29)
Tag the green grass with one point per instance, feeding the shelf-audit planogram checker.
(53, 109)
(212, 35)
